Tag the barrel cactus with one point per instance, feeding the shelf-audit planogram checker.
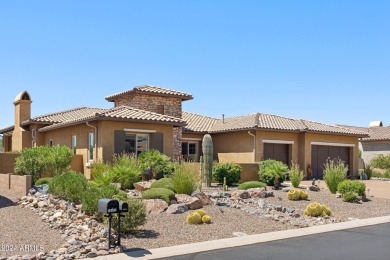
(194, 218)
(304, 195)
(206, 219)
(326, 211)
(201, 212)
(207, 149)
(294, 195)
(315, 209)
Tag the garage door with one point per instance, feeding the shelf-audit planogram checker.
(319, 154)
(279, 152)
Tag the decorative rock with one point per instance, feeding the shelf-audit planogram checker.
(257, 192)
(262, 204)
(313, 188)
(202, 197)
(41, 204)
(287, 189)
(215, 195)
(239, 194)
(155, 206)
(91, 255)
(222, 204)
(133, 193)
(142, 185)
(296, 215)
(190, 202)
(290, 210)
(338, 195)
(177, 209)
(269, 193)
(102, 252)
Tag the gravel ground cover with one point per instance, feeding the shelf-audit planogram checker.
(22, 231)
(21, 226)
(168, 230)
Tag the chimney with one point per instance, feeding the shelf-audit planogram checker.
(21, 138)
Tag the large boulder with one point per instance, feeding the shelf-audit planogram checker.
(239, 194)
(177, 209)
(202, 197)
(142, 185)
(190, 202)
(155, 206)
(257, 193)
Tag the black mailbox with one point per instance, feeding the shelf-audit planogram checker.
(123, 206)
(108, 206)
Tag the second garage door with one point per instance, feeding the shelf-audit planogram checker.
(320, 153)
(279, 152)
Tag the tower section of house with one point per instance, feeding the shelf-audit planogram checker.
(21, 137)
(158, 100)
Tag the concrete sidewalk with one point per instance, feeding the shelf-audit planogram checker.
(241, 241)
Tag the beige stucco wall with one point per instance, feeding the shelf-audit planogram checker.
(7, 162)
(317, 137)
(372, 149)
(20, 137)
(233, 147)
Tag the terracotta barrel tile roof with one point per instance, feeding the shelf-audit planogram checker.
(197, 123)
(378, 134)
(122, 112)
(67, 115)
(147, 89)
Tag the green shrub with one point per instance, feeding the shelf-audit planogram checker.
(159, 193)
(387, 174)
(271, 168)
(38, 160)
(134, 218)
(232, 172)
(69, 186)
(59, 159)
(166, 183)
(335, 171)
(349, 186)
(93, 193)
(296, 175)
(350, 197)
(32, 162)
(251, 184)
(155, 162)
(184, 179)
(101, 174)
(368, 171)
(381, 161)
(125, 170)
(41, 181)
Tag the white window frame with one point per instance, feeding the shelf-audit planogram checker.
(188, 149)
(33, 133)
(91, 153)
(74, 143)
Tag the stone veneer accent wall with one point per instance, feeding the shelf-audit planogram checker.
(177, 133)
(16, 183)
(172, 105)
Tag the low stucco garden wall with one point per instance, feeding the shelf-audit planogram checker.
(16, 183)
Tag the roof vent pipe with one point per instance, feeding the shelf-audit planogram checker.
(223, 118)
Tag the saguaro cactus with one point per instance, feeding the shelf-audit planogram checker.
(207, 148)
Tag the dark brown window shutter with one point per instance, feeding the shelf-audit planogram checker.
(157, 141)
(119, 141)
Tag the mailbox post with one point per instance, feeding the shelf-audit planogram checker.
(109, 207)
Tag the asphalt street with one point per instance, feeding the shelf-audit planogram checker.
(369, 242)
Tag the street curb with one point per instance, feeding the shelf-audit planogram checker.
(242, 241)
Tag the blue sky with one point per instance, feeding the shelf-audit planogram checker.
(326, 61)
